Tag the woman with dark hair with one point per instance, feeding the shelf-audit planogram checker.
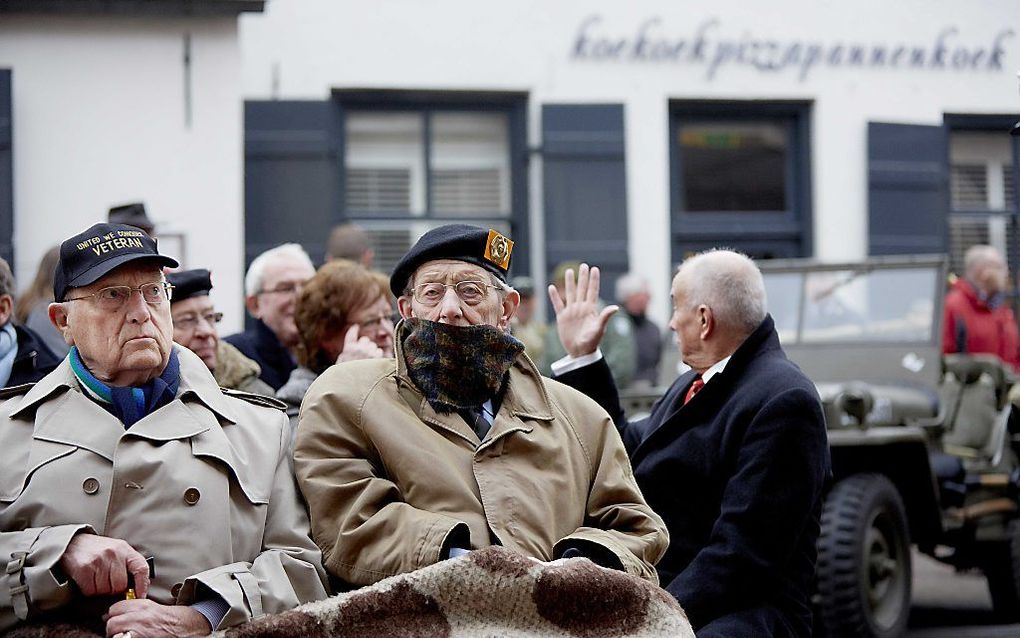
(31, 309)
(344, 313)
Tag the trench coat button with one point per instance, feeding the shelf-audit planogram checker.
(90, 485)
(191, 495)
(175, 591)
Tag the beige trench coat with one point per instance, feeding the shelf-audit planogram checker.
(388, 479)
(203, 485)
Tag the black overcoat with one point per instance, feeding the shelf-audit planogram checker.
(738, 475)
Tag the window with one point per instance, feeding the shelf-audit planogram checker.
(413, 161)
(736, 166)
(740, 177)
(982, 193)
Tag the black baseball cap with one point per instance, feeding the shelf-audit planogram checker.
(190, 283)
(483, 247)
(91, 254)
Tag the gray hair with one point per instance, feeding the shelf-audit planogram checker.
(979, 255)
(629, 284)
(256, 271)
(6, 278)
(729, 283)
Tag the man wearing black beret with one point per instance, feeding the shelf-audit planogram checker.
(195, 320)
(458, 443)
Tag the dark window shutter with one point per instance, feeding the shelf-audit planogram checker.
(907, 197)
(291, 175)
(6, 170)
(585, 188)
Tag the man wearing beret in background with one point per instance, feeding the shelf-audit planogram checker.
(458, 443)
(195, 320)
(128, 450)
(132, 214)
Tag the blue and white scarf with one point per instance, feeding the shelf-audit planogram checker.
(8, 352)
(131, 404)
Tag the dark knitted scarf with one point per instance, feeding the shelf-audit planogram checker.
(456, 367)
(131, 404)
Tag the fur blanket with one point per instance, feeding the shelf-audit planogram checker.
(489, 592)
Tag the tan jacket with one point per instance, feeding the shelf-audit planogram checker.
(238, 372)
(203, 485)
(388, 479)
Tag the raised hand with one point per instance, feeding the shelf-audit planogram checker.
(358, 347)
(100, 565)
(579, 321)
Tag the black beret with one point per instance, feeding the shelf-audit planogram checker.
(190, 283)
(486, 248)
(91, 254)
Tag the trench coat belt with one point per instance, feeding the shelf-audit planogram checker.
(15, 567)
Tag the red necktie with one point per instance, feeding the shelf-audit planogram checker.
(694, 389)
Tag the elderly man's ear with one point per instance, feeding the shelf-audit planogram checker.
(58, 317)
(510, 304)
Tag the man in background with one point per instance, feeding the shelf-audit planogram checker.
(976, 318)
(132, 214)
(24, 358)
(525, 325)
(195, 320)
(350, 241)
(633, 295)
(272, 285)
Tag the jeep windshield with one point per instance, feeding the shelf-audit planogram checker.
(878, 319)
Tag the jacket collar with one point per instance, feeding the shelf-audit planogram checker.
(763, 339)
(524, 396)
(976, 297)
(196, 381)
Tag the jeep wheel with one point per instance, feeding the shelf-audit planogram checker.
(864, 560)
(1002, 569)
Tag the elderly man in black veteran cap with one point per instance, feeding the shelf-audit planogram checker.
(195, 320)
(458, 443)
(129, 450)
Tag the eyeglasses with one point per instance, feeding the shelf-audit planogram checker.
(374, 323)
(190, 322)
(114, 297)
(470, 292)
(286, 288)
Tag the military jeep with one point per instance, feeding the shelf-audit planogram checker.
(924, 449)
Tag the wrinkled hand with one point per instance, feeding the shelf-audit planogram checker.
(356, 347)
(148, 619)
(100, 565)
(579, 322)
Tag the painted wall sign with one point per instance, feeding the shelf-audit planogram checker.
(709, 46)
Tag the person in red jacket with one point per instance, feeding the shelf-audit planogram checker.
(977, 319)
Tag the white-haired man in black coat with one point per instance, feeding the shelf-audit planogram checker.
(733, 457)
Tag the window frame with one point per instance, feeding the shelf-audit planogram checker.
(986, 123)
(426, 104)
(751, 228)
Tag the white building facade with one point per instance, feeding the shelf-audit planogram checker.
(628, 134)
(106, 103)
